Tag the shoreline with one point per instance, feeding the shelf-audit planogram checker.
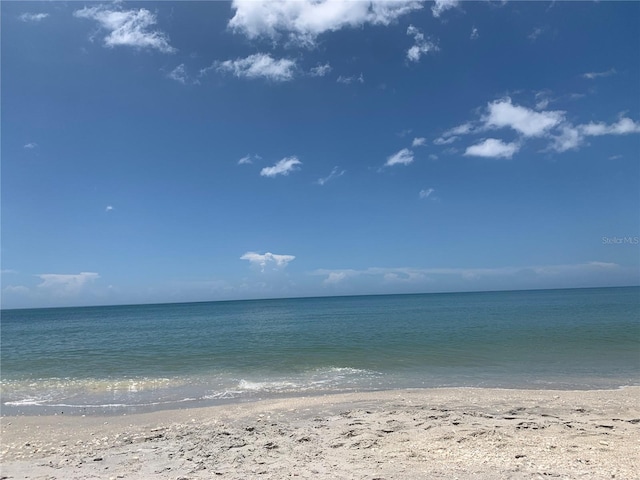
(411, 433)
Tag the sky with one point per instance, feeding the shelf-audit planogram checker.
(194, 151)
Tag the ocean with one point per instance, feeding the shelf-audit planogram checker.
(120, 359)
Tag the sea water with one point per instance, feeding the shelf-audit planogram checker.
(118, 359)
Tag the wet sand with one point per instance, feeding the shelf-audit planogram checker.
(400, 434)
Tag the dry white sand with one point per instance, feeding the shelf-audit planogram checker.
(402, 434)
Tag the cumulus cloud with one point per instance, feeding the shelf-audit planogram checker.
(109, 208)
(335, 173)
(271, 259)
(421, 46)
(66, 284)
(131, 28)
(594, 75)
(503, 113)
(283, 167)
(403, 157)
(33, 17)
(624, 126)
(442, 6)
(419, 142)
(259, 65)
(492, 148)
(301, 21)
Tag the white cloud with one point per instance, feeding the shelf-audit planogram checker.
(502, 113)
(109, 208)
(594, 75)
(569, 138)
(261, 260)
(260, 65)
(128, 28)
(403, 157)
(335, 173)
(421, 46)
(248, 159)
(33, 17)
(66, 284)
(442, 6)
(624, 126)
(494, 148)
(350, 80)
(179, 74)
(474, 34)
(419, 142)
(283, 167)
(16, 289)
(31, 145)
(469, 274)
(533, 36)
(426, 193)
(301, 21)
(320, 70)
(444, 140)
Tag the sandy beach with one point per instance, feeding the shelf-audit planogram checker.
(435, 433)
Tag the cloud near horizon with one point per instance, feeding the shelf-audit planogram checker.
(66, 284)
(268, 258)
(431, 275)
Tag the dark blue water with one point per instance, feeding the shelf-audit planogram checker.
(150, 356)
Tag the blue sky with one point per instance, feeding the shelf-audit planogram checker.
(192, 151)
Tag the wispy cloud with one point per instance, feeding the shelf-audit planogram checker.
(179, 74)
(421, 45)
(335, 173)
(131, 28)
(259, 65)
(350, 80)
(301, 21)
(248, 159)
(492, 148)
(30, 145)
(474, 34)
(108, 208)
(442, 6)
(403, 157)
(320, 70)
(268, 259)
(418, 275)
(419, 142)
(426, 193)
(283, 167)
(594, 75)
(33, 17)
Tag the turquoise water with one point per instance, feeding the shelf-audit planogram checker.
(123, 358)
